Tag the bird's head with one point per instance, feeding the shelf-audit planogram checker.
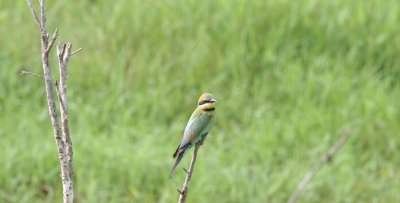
(207, 102)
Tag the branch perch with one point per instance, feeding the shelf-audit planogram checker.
(325, 159)
(183, 193)
(61, 131)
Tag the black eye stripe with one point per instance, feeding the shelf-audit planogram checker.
(204, 101)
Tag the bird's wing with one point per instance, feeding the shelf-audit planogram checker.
(197, 123)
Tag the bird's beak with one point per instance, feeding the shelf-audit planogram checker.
(213, 100)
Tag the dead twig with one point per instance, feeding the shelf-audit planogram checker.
(183, 193)
(23, 72)
(33, 11)
(325, 159)
(59, 95)
(76, 51)
(61, 131)
(185, 188)
(53, 39)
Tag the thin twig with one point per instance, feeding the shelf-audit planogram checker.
(33, 11)
(76, 51)
(183, 193)
(185, 188)
(53, 39)
(60, 51)
(23, 72)
(59, 95)
(326, 159)
(43, 15)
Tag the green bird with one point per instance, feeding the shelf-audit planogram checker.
(197, 128)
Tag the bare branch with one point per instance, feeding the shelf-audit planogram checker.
(185, 188)
(62, 64)
(326, 159)
(67, 53)
(61, 133)
(183, 193)
(30, 73)
(53, 39)
(33, 11)
(76, 51)
(43, 15)
(60, 51)
(59, 95)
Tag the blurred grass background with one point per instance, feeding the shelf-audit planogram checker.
(290, 77)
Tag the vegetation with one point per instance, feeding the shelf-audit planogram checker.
(290, 77)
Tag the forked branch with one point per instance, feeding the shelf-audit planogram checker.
(61, 132)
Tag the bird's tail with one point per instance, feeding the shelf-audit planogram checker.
(178, 160)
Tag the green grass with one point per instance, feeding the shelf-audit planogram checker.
(290, 78)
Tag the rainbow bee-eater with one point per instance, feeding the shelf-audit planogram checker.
(197, 128)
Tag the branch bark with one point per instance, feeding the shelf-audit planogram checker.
(183, 193)
(61, 132)
(325, 159)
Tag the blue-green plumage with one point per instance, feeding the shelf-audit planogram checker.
(198, 126)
